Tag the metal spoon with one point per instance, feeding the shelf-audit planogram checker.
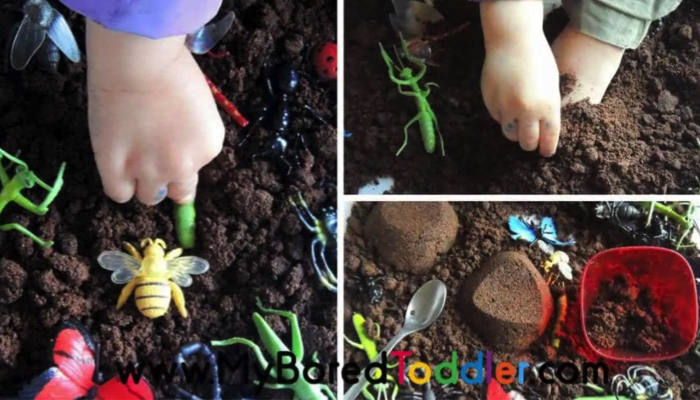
(425, 307)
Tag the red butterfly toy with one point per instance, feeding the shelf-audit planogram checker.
(76, 374)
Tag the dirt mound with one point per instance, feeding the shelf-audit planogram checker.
(410, 236)
(507, 302)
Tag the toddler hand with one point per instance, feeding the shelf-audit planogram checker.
(520, 85)
(520, 80)
(153, 120)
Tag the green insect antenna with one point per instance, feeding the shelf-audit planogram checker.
(13, 159)
(398, 57)
(389, 62)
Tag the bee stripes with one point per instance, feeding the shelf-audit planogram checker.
(153, 296)
(152, 284)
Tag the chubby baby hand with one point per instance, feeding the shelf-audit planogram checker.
(520, 86)
(153, 122)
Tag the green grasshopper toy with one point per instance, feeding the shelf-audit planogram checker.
(425, 117)
(370, 348)
(303, 390)
(25, 179)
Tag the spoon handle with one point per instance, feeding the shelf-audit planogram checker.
(357, 388)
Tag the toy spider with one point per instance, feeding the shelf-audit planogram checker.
(641, 383)
(371, 287)
(325, 236)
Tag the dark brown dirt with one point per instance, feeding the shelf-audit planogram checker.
(410, 236)
(622, 317)
(246, 230)
(507, 302)
(483, 233)
(642, 139)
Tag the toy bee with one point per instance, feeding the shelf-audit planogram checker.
(155, 276)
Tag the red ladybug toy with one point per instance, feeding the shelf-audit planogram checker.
(325, 58)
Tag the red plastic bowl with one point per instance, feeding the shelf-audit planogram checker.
(671, 281)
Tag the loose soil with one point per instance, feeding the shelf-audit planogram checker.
(622, 317)
(483, 232)
(642, 139)
(253, 240)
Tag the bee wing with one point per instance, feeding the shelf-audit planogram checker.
(61, 35)
(208, 36)
(30, 36)
(125, 267)
(181, 268)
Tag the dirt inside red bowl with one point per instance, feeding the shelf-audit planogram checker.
(639, 304)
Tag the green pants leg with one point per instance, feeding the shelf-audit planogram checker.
(621, 23)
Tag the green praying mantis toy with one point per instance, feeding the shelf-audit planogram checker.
(303, 390)
(25, 179)
(370, 348)
(425, 117)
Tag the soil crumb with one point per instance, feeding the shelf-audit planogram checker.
(623, 317)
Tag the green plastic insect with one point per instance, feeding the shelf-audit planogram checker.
(370, 348)
(184, 224)
(425, 117)
(303, 390)
(25, 179)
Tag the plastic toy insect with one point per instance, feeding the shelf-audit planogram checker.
(76, 373)
(429, 393)
(41, 20)
(369, 346)
(25, 179)
(154, 276)
(531, 229)
(325, 61)
(425, 117)
(562, 303)
(641, 383)
(301, 387)
(325, 237)
(494, 391)
(561, 261)
(630, 218)
(420, 47)
(278, 115)
(371, 287)
(185, 216)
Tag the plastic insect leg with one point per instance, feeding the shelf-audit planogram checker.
(185, 395)
(173, 254)
(297, 343)
(391, 66)
(53, 190)
(134, 253)
(179, 299)
(251, 128)
(126, 292)
(268, 80)
(326, 281)
(206, 352)
(367, 393)
(409, 93)
(25, 231)
(437, 128)
(354, 344)
(256, 349)
(405, 131)
(300, 206)
(426, 92)
(315, 115)
(328, 392)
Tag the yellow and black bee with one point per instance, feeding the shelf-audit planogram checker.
(154, 276)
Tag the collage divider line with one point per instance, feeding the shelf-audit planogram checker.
(340, 190)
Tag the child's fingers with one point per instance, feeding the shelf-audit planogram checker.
(528, 133)
(117, 187)
(510, 129)
(549, 135)
(151, 191)
(183, 192)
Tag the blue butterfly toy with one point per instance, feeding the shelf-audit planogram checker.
(530, 229)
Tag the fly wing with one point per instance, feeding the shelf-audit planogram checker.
(521, 230)
(125, 267)
(182, 267)
(30, 36)
(61, 35)
(208, 36)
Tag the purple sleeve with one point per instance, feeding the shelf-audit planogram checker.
(155, 19)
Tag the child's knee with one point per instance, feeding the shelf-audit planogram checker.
(621, 23)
